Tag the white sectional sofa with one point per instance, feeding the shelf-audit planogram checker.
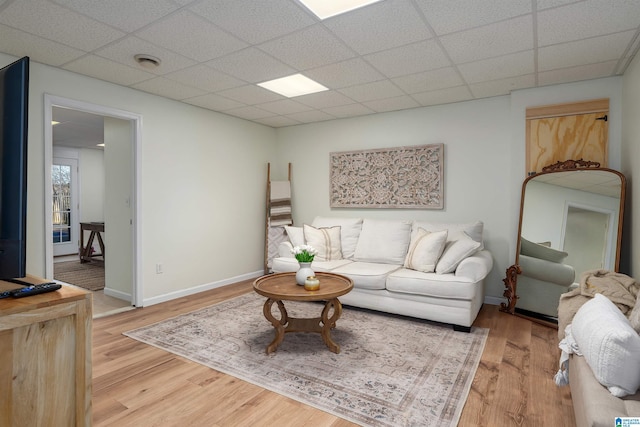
(427, 270)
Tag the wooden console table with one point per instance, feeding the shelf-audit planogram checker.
(96, 229)
(45, 358)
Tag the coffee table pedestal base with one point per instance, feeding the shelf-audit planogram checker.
(322, 324)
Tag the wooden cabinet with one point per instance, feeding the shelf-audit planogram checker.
(45, 358)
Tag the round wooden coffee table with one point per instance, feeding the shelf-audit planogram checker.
(281, 287)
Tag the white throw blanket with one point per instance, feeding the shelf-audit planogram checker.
(568, 346)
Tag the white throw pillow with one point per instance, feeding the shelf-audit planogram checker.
(609, 345)
(324, 240)
(425, 250)
(349, 231)
(384, 241)
(455, 251)
(296, 235)
(472, 229)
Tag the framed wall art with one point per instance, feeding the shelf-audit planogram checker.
(399, 177)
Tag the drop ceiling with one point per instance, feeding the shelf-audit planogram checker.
(390, 55)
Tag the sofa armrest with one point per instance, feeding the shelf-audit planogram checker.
(284, 250)
(476, 267)
(547, 271)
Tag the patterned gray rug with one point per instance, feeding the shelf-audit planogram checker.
(391, 371)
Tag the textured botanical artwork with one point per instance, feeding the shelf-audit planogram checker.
(399, 177)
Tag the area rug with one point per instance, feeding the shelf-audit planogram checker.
(391, 370)
(86, 275)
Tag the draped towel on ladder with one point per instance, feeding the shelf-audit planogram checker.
(278, 216)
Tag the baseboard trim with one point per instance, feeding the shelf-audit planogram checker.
(493, 300)
(201, 288)
(117, 294)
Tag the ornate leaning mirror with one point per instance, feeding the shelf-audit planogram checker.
(570, 222)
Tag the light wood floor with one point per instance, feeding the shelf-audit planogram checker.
(138, 385)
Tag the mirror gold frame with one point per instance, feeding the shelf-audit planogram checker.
(512, 273)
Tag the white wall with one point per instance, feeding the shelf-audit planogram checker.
(119, 213)
(484, 158)
(203, 173)
(631, 163)
(203, 178)
(476, 154)
(91, 165)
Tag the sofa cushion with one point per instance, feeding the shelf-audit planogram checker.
(349, 231)
(472, 229)
(425, 250)
(384, 241)
(609, 345)
(414, 282)
(455, 251)
(288, 264)
(536, 250)
(295, 234)
(366, 275)
(326, 241)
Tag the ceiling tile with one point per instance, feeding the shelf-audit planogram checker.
(489, 41)
(343, 74)
(58, 23)
(126, 15)
(392, 104)
(191, 36)
(443, 96)
(250, 113)
(547, 4)
(590, 51)
(501, 87)
(19, 43)
(168, 88)
(312, 47)
(278, 121)
(581, 72)
(205, 78)
(107, 70)
(250, 94)
(371, 91)
(324, 99)
(351, 110)
(255, 21)
(284, 107)
(512, 65)
(311, 116)
(409, 59)
(251, 65)
(586, 19)
(429, 80)
(456, 15)
(125, 49)
(380, 26)
(214, 102)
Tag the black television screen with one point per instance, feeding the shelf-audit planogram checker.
(14, 100)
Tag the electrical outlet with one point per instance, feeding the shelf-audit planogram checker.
(158, 268)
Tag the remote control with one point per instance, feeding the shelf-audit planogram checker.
(7, 294)
(36, 289)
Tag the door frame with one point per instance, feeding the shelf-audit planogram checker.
(51, 101)
(610, 243)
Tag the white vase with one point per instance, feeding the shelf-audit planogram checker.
(303, 272)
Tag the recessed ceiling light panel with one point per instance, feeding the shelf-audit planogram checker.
(294, 85)
(324, 9)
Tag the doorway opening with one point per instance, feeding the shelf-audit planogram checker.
(105, 197)
(589, 232)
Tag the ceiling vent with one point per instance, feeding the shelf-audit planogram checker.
(147, 61)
